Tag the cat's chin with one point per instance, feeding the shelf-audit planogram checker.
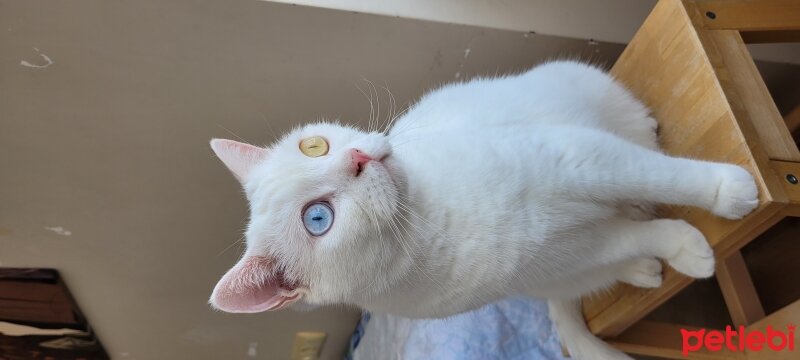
(389, 168)
(376, 168)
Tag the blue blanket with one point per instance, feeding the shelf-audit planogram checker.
(516, 328)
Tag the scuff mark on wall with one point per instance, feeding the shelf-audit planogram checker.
(467, 51)
(595, 44)
(126, 355)
(437, 60)
(60, 230)
(202, 335)
(251, 350)
(46, 58)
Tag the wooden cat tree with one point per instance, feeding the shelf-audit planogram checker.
(688, 62)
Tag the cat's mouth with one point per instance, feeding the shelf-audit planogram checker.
(362, 165)
(360, 168)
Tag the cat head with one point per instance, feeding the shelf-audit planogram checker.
(319, 198)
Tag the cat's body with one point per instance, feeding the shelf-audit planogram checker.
(510, 159)
(535, 184)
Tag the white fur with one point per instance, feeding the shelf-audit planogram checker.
(529, 184)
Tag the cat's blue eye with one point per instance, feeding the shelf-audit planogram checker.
(318, 218)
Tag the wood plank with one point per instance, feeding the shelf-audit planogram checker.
(596, 303)
(726, 236)
(789, 172)
(779, 320)
(793, 120)
(664, 340)
(792, 211)
(31, 291)
(750, 14)
(769, 37)
(785, 170)
(631, 304)
(738, 290)
(751, 103)
(23, 298)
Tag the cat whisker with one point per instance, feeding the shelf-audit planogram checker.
(395, 117)
(440, 232)
(390, 112)
(269, 127)
(230, 246)
(371, 105)
(232, 133)
(377, 101)
(426, 272)
(409, 250)
(374, 222)
(404, 129)
(409, 141)
(435, 229)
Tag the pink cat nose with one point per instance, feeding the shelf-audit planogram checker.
(359, 160)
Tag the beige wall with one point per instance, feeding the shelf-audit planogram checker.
(109, 142)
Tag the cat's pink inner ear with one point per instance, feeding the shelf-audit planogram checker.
(252, 285)
(238, 157)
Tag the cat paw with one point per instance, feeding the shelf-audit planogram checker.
(694, 257)
(643, 132)
(737, 194)
(643, 273)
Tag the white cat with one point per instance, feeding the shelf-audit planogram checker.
(524, 184)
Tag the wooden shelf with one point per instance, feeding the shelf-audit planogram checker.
(689, 64)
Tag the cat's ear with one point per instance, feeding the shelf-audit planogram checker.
(238, 157)
(252, 285)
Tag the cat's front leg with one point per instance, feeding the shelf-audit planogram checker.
(628, 246)
(607, 167)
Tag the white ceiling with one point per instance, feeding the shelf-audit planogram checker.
(602, 20)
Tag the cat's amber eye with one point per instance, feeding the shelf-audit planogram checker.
(314, 146)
